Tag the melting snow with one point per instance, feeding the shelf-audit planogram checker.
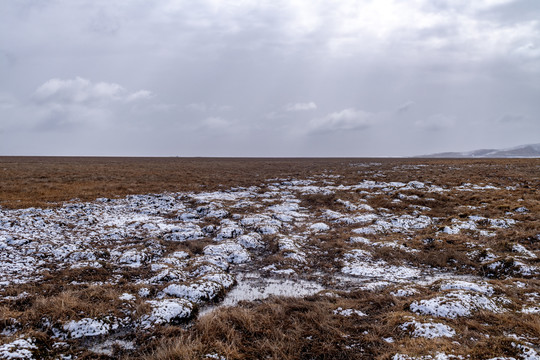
(86, 327)
(482, 288)
(18, 349)
(231, 251)
(33, 241)
(438, 356)
(127, 297)
(107, 347)
(360, 263)
(167, 311)
(455, 304)
(348, 312)
(428, 330)
(404, 292)
(318, 227)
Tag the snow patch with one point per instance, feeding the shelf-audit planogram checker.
(87, 327)
(348, 312)
(455, 304)
(428, 330)
(167, 311)
(232, 252)
(482, 288)
(319, 227)
(18, 349)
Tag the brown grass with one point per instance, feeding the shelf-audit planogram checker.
(289, 328)
(41, 181)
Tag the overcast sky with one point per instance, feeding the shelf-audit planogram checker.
(268, 78)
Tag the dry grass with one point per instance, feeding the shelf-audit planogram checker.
(276, 329)
(290, 328)
(40, 181)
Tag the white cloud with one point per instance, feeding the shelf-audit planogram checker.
(436, 122)
(215, 122)
(80, 90)
(72, 104)
(346, 119)
(301, 106)
(139, 95)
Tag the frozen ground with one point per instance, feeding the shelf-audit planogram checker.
(174, 254)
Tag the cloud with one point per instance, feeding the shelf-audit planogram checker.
(512, 119)
(104, 24)
(72, 117)
(73, 104)
(301, 106)
(199, 107)
(139, 95)
(215, 123)
(344, 120)
(436, 122)
(7, 59)
(7, 101)
(476, 60)
(204, 107)
(82, 91)
(405, 107)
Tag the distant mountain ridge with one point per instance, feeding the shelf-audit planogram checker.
(522, 151)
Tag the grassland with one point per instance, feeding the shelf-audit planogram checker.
(416, 258)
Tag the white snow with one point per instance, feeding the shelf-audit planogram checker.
(18, 349)
(482, 288)
(528, 353)
(127, 297)
(437, 356)
(86, 327)
(360, 263)
(531, 310)
(455, 304)
(348, 312)
(107, 347)
(231, 251)
(166, 311)
(319, 227)
(428, 330)
(250, 241)
(144, 292)
(253, 287)
(197, 292)
(404, 292)
(523, 251)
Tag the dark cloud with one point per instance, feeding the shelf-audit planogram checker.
(344, 120)
(163, 76)
(103, 23)
(436, 122)
(405, 106)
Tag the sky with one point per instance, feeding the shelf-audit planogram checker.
(267, 78)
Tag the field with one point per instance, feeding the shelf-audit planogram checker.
(176, 258)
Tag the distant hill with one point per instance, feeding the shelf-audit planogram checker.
(522, 151)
